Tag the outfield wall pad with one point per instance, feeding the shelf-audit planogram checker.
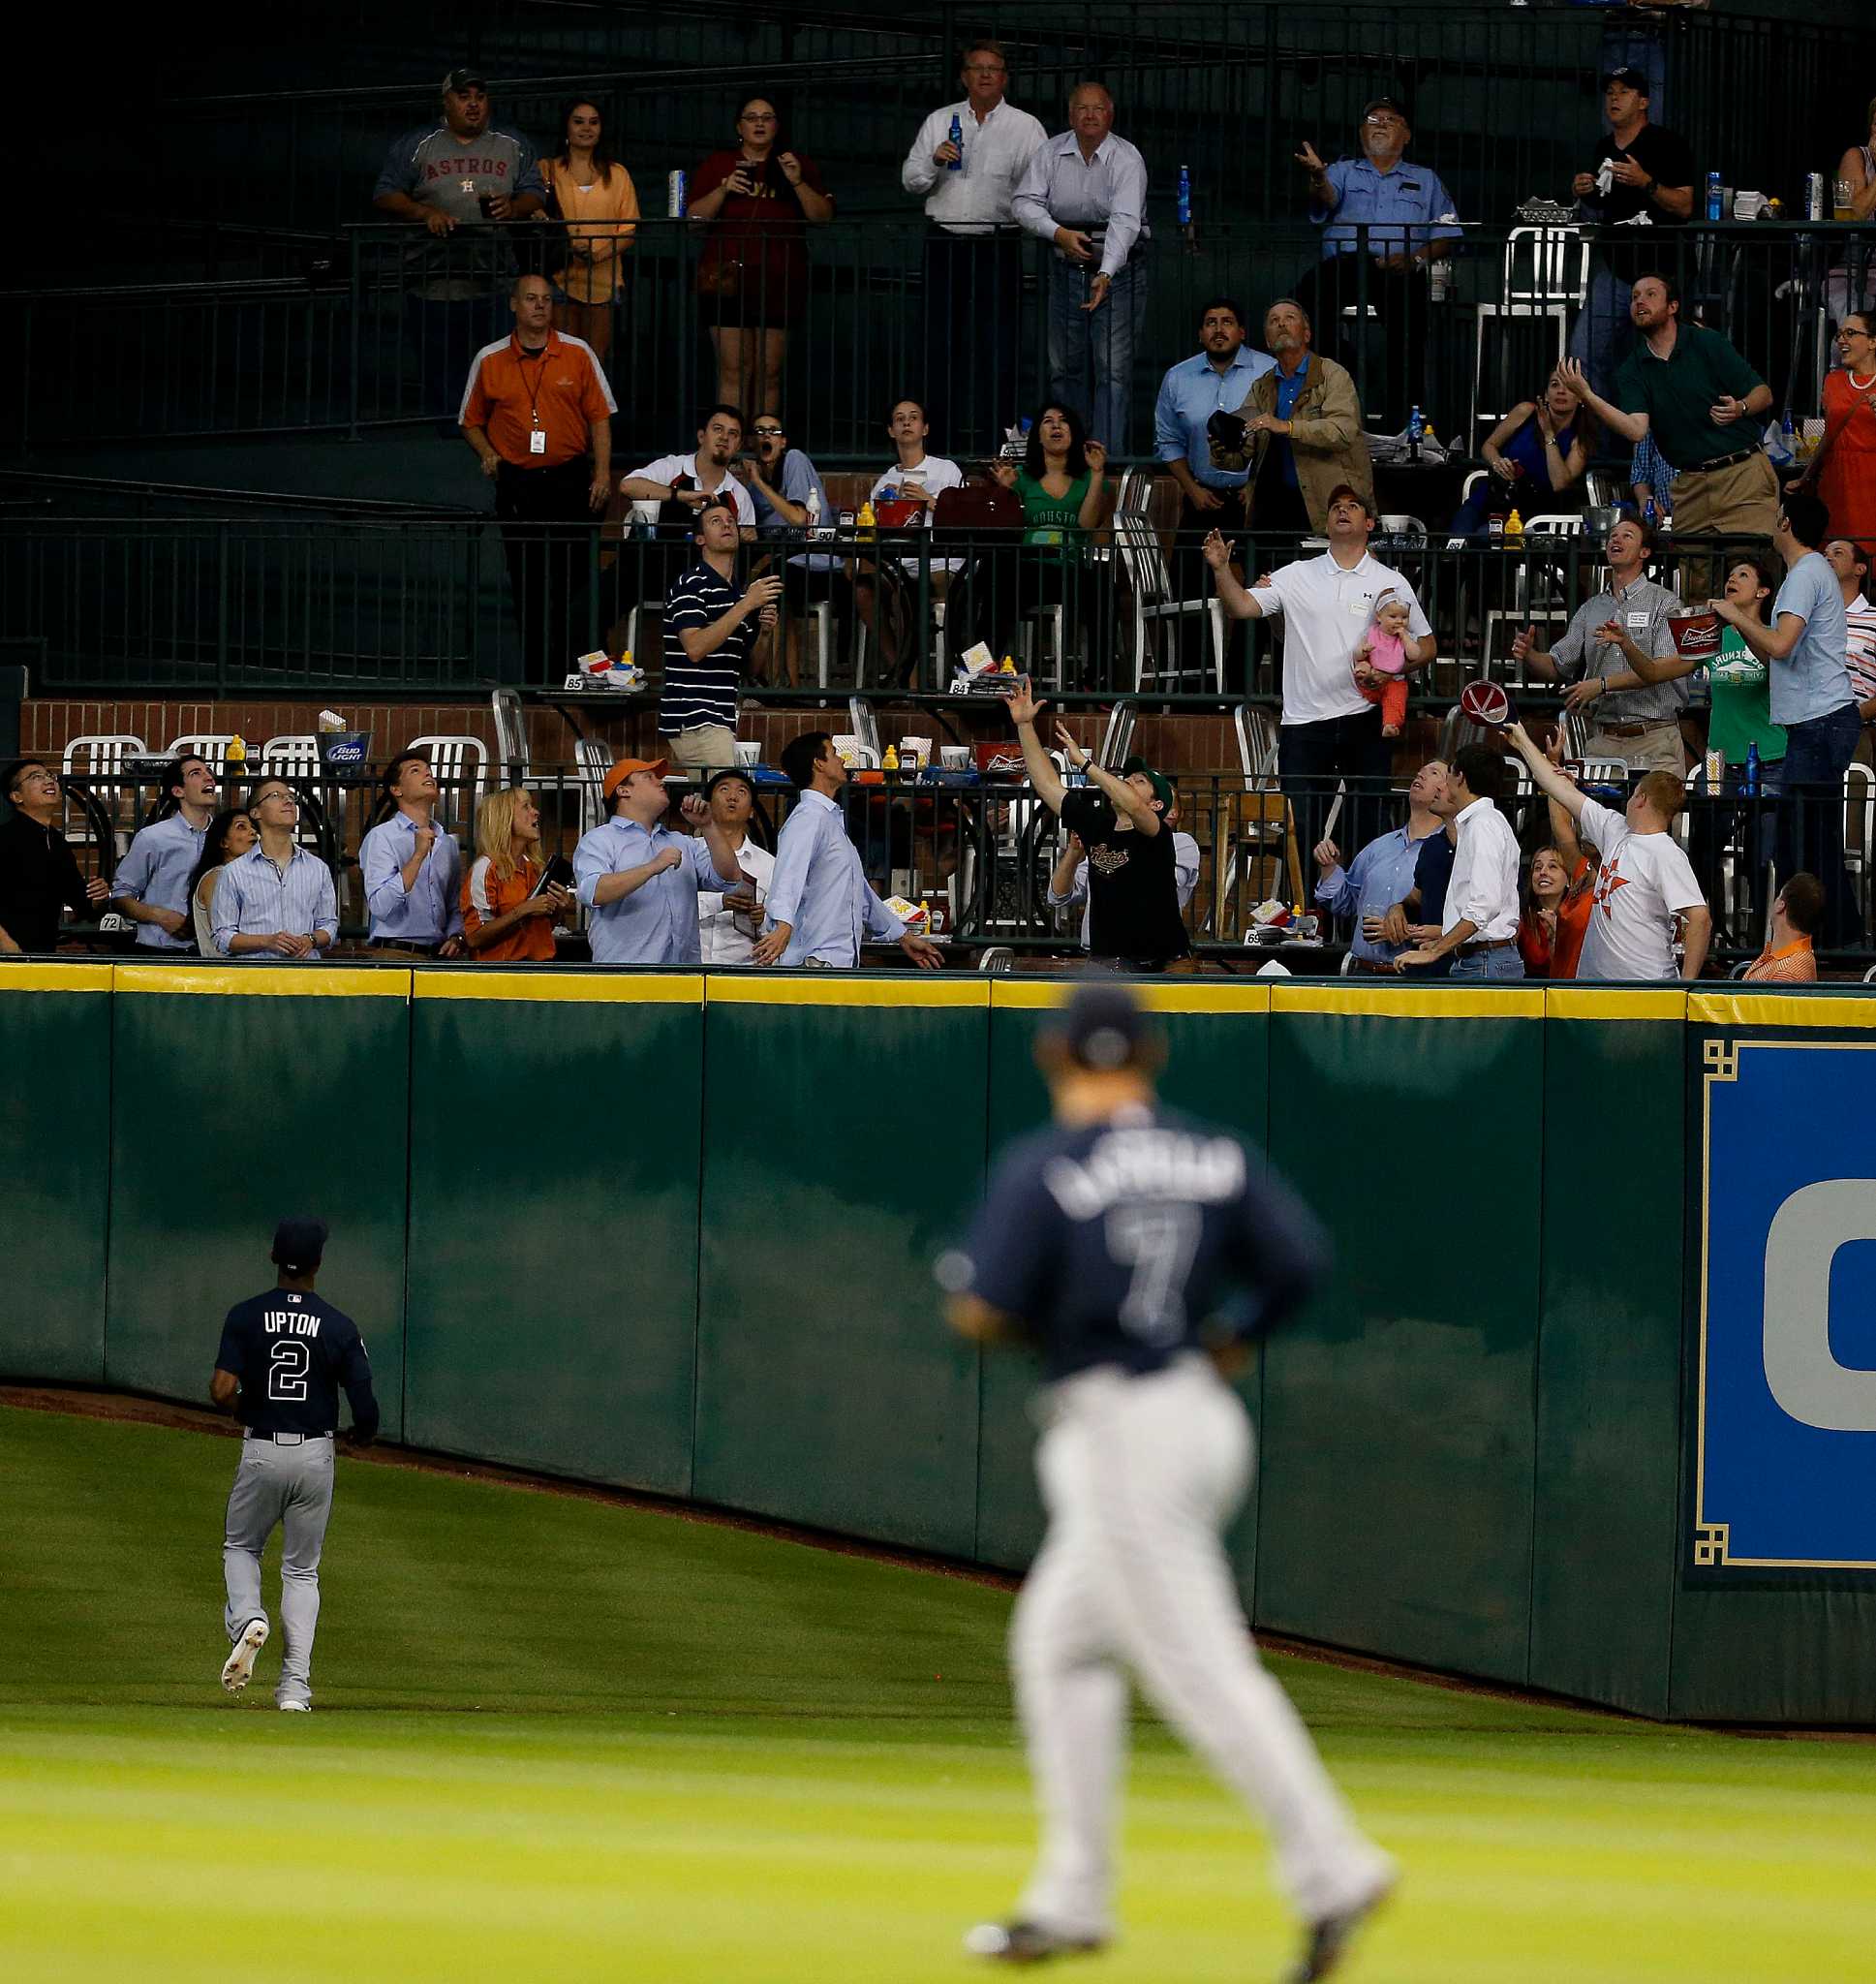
(1591, 1405)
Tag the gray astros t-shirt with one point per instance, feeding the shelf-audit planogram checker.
(436, 168)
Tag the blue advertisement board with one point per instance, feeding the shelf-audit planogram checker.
(1785, 1462)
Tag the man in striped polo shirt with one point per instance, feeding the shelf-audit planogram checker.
(709, 631)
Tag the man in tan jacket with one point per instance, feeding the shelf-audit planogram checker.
(1302, 431)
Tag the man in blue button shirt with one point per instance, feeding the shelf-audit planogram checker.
(1217, 380)
(1408, 217)
(1807, 648)
(639, 880)
(413, 871)
(1383, 873)
(821, 905)
(151, 886)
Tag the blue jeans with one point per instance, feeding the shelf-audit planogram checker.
(1091, 352)
(1503, 963)
(1600, 338)
(1810, 813)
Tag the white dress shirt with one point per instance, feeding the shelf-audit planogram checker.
(996, 154)
(1484, 885)
(1329, 609)
(726, 942)
(669, 468)
(1060, 189)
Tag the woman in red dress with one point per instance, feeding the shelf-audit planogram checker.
(1846, 458)
(752, 274)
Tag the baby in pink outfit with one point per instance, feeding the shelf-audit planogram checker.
(1387, 654)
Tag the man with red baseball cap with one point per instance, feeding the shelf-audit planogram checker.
(639, 880)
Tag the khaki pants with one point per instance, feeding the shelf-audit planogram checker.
(704, 747)
(1654, 750)
(1737, 501)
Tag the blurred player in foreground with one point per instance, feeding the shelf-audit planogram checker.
(283, 1357)
(1142, 1250)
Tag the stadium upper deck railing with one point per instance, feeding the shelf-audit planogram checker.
(380, 331)
(1503, 97)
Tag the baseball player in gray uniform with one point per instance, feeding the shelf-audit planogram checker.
(283, 1359)
(1141, 1252)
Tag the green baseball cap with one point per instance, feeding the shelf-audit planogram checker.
(1162, 787)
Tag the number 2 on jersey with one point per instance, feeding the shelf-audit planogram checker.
(287, 1369)
(1157, 1242)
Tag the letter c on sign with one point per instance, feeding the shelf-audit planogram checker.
(1805, 1379)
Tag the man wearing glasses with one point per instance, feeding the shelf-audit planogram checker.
(790, 499)
(38, 876)
(973, 252)
(1368, 265)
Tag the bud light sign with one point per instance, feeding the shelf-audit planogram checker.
(344, 748)
(1785, 1457)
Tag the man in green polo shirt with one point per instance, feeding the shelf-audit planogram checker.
(1685, 387)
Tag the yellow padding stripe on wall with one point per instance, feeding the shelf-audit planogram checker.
(579, 988)
(1373, 1000)
(76, 976)
(296, 982)
(1777, 1009)
(841, 988)
(1579, 1002)
(1161, 995)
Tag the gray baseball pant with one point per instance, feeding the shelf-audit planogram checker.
(291, 1486)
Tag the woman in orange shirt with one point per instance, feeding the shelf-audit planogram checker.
(503, 919)
(592, 194)
(1556, 914)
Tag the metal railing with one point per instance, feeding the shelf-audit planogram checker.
(866, 314)
(277, 605)
(1503, 99)
(981, 852)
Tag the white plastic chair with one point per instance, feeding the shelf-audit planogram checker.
(211, 745)
(1154, 607)
(1858, 819)
(460, 764)
(1546, 274)
(297, 760)
(99, 761)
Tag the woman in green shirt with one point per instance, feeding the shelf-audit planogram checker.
(1062, 481)
(1738, 684)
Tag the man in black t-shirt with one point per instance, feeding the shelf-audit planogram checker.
(1643, 178)
(1132, 882)
(283, 1358)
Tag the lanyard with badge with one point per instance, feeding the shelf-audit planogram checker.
(537, 437)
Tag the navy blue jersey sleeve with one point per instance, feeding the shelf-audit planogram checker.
(233, 1354)
(354, 1373)
(1278, 1254)
(1015, 1242)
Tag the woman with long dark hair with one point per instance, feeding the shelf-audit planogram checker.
(594, 196)
(231, 834)
(1536, 456)
(1062, 481)
(757, 200)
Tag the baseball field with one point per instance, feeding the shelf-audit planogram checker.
(560, 1738)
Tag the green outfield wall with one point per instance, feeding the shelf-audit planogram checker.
(1590, 1405)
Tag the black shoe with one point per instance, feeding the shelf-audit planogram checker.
(1027, 1943)
(1328, 1939)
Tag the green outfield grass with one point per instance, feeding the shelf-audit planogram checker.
(561, 1740)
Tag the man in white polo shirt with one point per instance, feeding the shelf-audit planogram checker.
(1329, 730)
(1646, 881)
(1479, 924)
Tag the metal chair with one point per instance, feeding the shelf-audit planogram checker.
(1858, 821)
(210, 745)
(1546, 274)
(461, 764)
(1154, 607)
(296, 759)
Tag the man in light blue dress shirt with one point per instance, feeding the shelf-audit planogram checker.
(639, 880)
(151, 886)
(413, 871)
(821, 905)
(1409, 218)
(1383, 873)
(277, 900)
(1218, 379)
(1085, 193)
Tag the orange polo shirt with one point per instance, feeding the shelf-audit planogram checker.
(1793, 964)
(563, 391)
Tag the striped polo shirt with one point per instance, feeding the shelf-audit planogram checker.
(701, 692)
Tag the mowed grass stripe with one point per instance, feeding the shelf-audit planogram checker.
(562, 1740)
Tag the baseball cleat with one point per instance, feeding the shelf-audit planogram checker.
(238, 1668)
(1329, 1938)
(297, 1708)
(1027, 1943)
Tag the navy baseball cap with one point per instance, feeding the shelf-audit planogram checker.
(1102, 1027)
(466, 77)
(299, 1243)
(1383, 103)
(1629, 79)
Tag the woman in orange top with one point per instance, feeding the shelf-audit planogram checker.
(503, 918)
(1556, 914)
(594, 195)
